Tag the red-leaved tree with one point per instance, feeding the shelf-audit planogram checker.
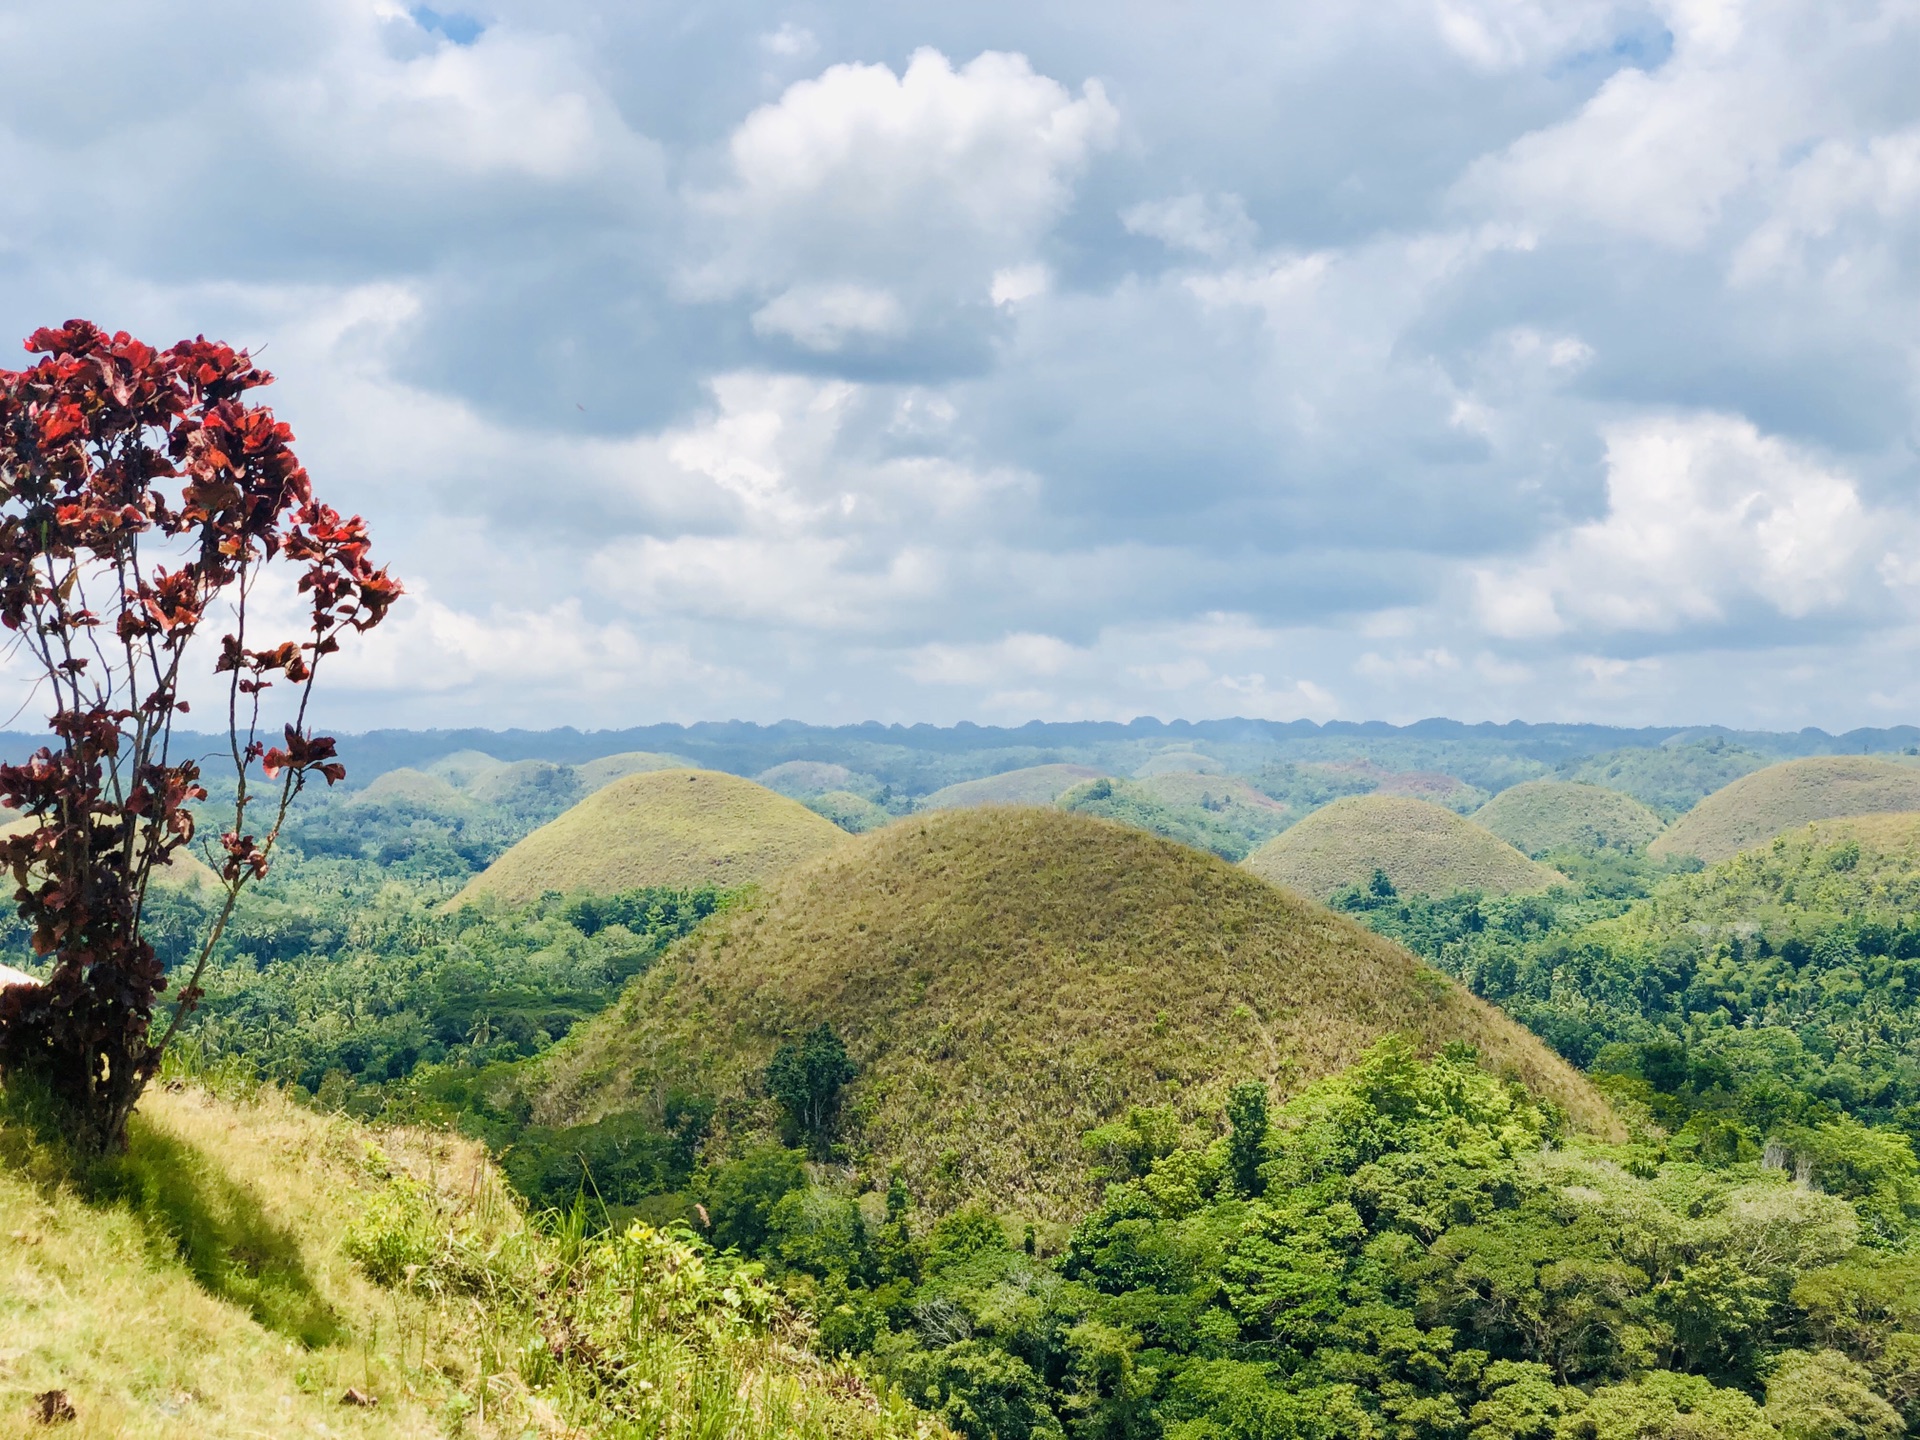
(142, 496)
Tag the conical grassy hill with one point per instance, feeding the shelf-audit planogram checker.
(1545, 815)
(1424, 850)
(1007, 979)
(664, 827)
(1769, 802)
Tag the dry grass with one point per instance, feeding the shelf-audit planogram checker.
(101, 1301)
(1423, 848)
(1545, 815)
(665, 827)
(1769, 802)
(210, 1290)
(1035, 785)
(1008, 979)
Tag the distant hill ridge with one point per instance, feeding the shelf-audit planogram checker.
(1008, 978)
(748, 748)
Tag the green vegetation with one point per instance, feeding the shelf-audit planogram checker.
(1223, 831)
(1410, 1250)
(1744, 1008)
(596, 774)
(1031, 785)
(853, 813)
(1307, 786)
(389, 982)
(1769, 802)
(1044, 1124)
(1007, 979)
(1419, 846)
(664, 827)
(1670, 779)
(1543, 816)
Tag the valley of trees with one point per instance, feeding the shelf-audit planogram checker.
(1414, 1248)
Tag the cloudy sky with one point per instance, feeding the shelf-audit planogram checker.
(1486, 358)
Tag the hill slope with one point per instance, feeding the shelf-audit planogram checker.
(1033, 785)
(218, 1281)
(1423, 848)
(1545, 815)
(1757, 807)
(664, 827)
(1009, 978)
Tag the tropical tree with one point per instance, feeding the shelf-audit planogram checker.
(142, 497)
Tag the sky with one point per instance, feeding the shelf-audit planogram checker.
(1481, 358)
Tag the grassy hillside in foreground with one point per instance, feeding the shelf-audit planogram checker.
(662, 828)
(1782, 797)
(1422, 848)
(1033, 785)
(1008, 979)
(1546, 815)
(248, 1261)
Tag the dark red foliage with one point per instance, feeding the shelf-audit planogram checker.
(140, 491)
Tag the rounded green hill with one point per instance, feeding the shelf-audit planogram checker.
(1007, 979)
(1423, 848)
(593, 774)
(1033, 785)
(1546, 815)
(663, 827)
(1757, 807)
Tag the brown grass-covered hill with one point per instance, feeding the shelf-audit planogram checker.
(1757, 807)
(1007, 979)
(185, 871)
(1423, 848)
(1545, 815)
(1034, 785)
(595, 774)
(663, 827)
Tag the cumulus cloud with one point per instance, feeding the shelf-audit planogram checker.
(1487, 356)
(863, 197)
(1705, 517)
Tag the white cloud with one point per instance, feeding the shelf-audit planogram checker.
(824, 318)
(925, 183)
(1704, 515)
(1215, 226)
(790, 42)
(1018, 283)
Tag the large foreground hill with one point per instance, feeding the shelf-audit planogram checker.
(1006, 980)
